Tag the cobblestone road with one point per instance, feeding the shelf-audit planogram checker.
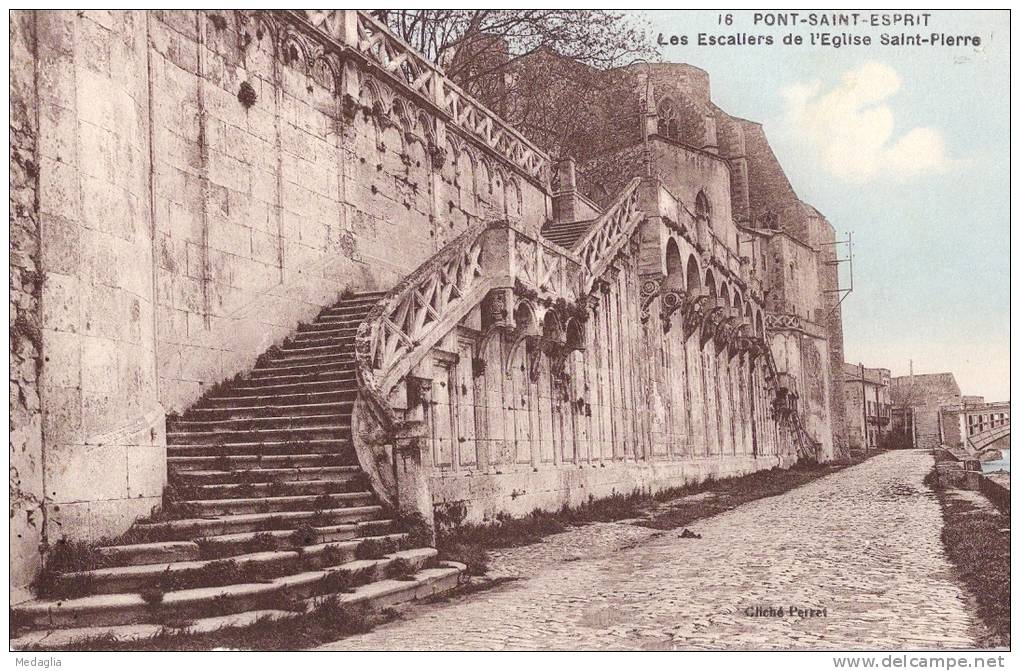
(863, 544)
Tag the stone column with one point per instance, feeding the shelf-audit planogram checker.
(565, 197)
(414, 492)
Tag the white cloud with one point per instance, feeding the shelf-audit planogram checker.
(853, 129)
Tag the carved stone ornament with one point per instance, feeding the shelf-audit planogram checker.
(671, 301)
(650, 288)
(438, 156)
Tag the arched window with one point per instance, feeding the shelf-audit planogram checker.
(674, 265)
(575, 335)
(524, 317)
(710, 283)
(724, 294)
(551, 327)
(693, 275)
(669, 125)
(702, 207)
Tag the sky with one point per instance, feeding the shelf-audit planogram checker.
(908, 148)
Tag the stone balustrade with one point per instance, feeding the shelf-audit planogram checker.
(370, 39)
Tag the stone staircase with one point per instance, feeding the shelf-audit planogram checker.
(266, 512)
(566, 233)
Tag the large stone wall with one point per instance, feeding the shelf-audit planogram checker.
(26, 442)
(102, 419)
(268, 209)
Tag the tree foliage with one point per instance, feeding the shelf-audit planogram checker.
(542, 70)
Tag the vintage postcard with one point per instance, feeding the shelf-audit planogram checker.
(510, 329)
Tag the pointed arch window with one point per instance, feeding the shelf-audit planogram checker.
(669, 124)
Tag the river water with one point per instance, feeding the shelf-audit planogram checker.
(998, 464)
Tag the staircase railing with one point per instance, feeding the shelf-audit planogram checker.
(609, 233)
(376, 44)
(417, 313)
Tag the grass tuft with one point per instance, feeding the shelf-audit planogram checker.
(979, 550)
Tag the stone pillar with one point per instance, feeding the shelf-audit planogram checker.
(105, 451)
(565, 196)
(414, 492)
(711, 141)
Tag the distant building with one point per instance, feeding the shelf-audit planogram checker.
(868, 405)
(917, 402)
(975, 424)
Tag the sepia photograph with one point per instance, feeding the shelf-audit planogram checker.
(492, 330)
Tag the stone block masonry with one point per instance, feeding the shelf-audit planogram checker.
(26, 446)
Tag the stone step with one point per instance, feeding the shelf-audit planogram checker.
(286, 421)
(136, 577)
(278, 400)
(248, 410)
(311, 371)
(335, 328)
(365, 303)
(136, 554)
(331, 533)
(130, 608)
(149, 553)
(273, 504)
(565, 234)
(344, 379)
(291, 433)
(292, 359)
(196, 527)
(347, 329)
(316, 347)
(213, 448)
(356, 313)
(235, 462)
(320, 339)
(198, 476)
(375, 596)
(363, 297)
(362, 302)
(238, 490)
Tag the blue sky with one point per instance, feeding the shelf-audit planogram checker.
(908, 147)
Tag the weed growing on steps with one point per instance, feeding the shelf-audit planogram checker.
(472, 555)
(329, 620)
(304, 535)
(331, 555)
(376, 548)
(61, 576)
(218, 389)
(345, 580)
(177, 505)
(267, 356)
(419, 532)
(260, 542)
(400, 569)
(152, 596)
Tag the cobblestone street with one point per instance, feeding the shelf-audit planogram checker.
(863, 544)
